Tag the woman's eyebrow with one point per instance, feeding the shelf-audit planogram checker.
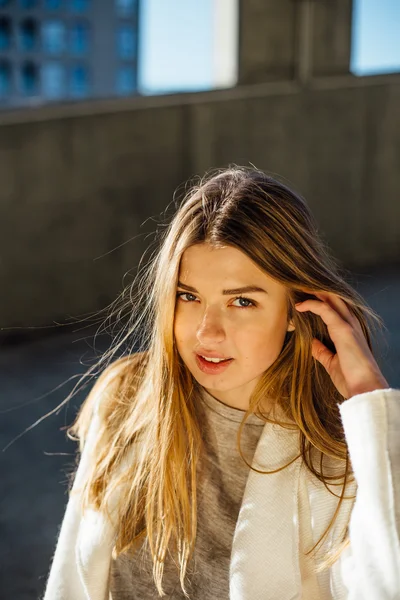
(243, 290)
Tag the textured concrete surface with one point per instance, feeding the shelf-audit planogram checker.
(34, 468)
(279, 39)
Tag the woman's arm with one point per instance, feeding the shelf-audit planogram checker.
(371, 424)
(64, 582)
(78, 532)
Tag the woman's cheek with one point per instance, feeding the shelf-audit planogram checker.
(181, 327)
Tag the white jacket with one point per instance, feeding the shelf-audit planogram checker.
(281, 515)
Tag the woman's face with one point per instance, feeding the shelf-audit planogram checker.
(250, 330)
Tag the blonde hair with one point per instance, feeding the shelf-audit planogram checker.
(148, 400)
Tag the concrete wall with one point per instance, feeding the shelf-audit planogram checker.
(73, 188)
(83, 186)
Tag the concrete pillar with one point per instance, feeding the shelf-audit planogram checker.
(266, 40)
(331, 36)
(225, 43)
(281, 40)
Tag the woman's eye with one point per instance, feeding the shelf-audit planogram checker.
(247, 300)
(181, 294)
(248, 303)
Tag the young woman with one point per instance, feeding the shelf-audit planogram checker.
(251, 450)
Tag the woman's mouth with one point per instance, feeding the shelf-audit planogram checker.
(212, 368)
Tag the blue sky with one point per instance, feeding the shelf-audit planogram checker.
(175, 45)
(376, 36)
(176, 42)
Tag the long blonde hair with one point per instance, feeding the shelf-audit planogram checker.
(147, 400)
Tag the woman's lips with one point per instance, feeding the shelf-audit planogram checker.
(210, 367)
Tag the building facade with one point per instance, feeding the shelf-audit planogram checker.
(58, 50)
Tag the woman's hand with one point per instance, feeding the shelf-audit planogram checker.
(353, 369)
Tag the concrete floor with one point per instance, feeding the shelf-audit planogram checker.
(34, 468)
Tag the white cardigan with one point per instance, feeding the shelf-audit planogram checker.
(281, 515)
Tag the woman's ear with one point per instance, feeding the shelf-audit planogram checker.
(290, 319)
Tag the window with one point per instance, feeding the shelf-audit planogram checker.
(126, 39)
(28, 35)
(79, 6)
(29, 79)
(126, 81)
(79, 38)
(53, 33)
(28, 3)
(53, 80)
(5, 78)
(125, 8)
(5, 33)
(79, 82)
(53, 4)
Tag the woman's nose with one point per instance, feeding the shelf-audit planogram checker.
(210, 329)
